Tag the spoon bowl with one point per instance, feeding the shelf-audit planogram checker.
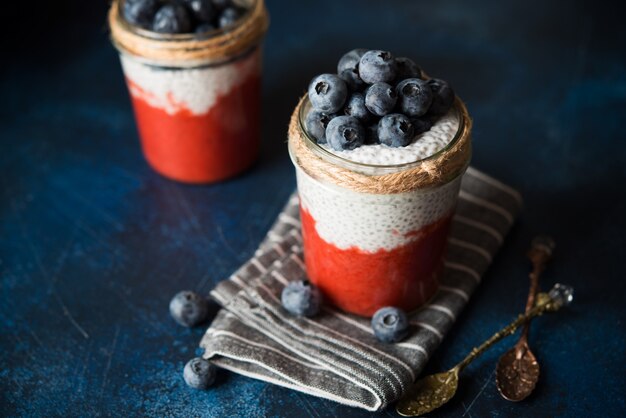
(429, 393)
(517, 373)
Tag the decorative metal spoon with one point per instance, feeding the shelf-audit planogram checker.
(517, 371)
(433, 391)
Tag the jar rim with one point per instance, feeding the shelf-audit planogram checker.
(376, 169)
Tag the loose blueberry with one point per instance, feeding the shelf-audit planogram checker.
(390, 324)
(395, 130)
(352, 79)
(140, 12)
(188, 308)
(316, 123)
(199, 373)
(201, 10)
(407, 68)
(172, 18)
(377, 66)
(301, 298)
(380, 99)
(229, 16)
(421, 125)
(355, 106)
(443, 96)
(350, 60)
(328, 93)
(203, 28)
(414, 96)
(345, 133)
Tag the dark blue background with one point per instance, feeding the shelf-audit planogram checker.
(93, 243)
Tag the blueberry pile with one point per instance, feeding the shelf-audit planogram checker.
(375, 98)
(181, 16)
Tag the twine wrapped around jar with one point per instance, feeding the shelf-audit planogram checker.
(188, 48)
(430, 172)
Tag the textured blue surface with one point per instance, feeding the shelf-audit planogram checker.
(93, 244)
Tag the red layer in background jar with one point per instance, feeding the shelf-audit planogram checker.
(204, 148)
(362, 282)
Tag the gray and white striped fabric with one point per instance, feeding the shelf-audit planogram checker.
(335, 355)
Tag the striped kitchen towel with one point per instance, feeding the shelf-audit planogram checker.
(335, 355)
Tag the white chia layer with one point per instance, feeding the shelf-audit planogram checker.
(193, 89)
(423, 146)
(372, 222)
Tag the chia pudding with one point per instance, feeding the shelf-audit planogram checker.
(366, 249)
(197, 112)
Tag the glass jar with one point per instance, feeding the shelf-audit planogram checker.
(369, 249)
(195, 97)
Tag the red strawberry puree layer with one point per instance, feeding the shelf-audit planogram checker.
(362, 282)
(201, 148)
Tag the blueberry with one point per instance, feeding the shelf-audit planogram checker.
(395, 130)
(350, 60)
(199, 373)
(380, 99)
(355, 106)
(345, 133)
(443, 96)
(203, 28)
(390, 324)
(352, 79)
(421, 125)
(140, 12)
(407, 68)
(328, 93)
(229, 16)
(414, 96)
(301, 298)
(377, 66)
(189, 308)
(316, 123)
(201, 10)
(172, 18)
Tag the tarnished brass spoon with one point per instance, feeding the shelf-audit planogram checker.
(517, 371)
(433, 391)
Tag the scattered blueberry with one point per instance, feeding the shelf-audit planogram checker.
(350, 60)
(355, 106)
(421, 125)
(380, 99)
(407, 68)
(316, 123)
(199, 373)
(345, 133)
(395, 130)
(443, 96)
(172, 18)
(390, 324)
(377, 66)
(414, 96)
(301, 298)
(140, 12)
(201, 10)
(204, 27)
(189, 308)
(352, 79)
(328, 93)
(229, 16)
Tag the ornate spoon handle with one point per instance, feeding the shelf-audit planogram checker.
(559, 296)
